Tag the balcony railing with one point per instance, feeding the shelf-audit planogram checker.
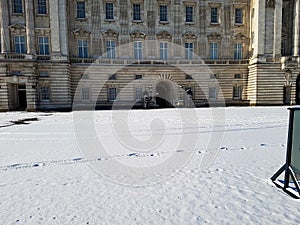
(152, 62)
(13, 55)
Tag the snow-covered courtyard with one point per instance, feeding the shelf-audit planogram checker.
(46, 178)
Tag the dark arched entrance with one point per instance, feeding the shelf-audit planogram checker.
(298, 90)
(164, 94)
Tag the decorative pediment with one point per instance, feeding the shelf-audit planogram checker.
(189, 35)
(164, 35)
(110, 34)
(137, 35)
(42, 31)
(81, 32)
(18, 28)
(163, 1)
(214, 36)
(239, 36)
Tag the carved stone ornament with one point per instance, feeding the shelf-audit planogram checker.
(164, 35)
(17, 28)
(270, 3)
(81, 32)
(189, 35)
(288, 77)
(239, 36)
(137, 35)
(110, 34)
(214, 36)
(42, 31)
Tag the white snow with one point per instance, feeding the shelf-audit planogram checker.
(45, 178)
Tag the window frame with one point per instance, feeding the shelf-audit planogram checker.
(237, 91)
(189, 48)
(138, 50)
(45, 7)
(80, 16)
(213, 93)
(45, 96)
(238, 51)
(190, 16)
(238, 19)
(109, 12)
(19, 44)
(138, 93)
(213, 50)
(44, 45)
(136, 13)
(111, 94)
(214, 16)
(163, 50)
(16, 6)
(85, 94)
(163, 15)
(110, 49)
(82, 48)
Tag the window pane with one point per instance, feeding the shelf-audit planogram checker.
(163, 13)
(212, 93)
(20, 44)
(238, 51)
(82, 49)
(136, 12)
(112, 94)
(238, 16)
(214, 15)
(18, 7)
(43, 46)
(81, 10)
(109, 11)
(138, 50)
(164, 50)
(213, 50)
(85, 94)
(189, 50)
(42, 7)
(44, 93)
(111, 49)
(189, 14)
(138, 94)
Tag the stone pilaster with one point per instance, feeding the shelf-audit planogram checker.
(296, 28)
(63, 32)
(30, 34)
(259, 32)
(54, 24)
(4, 22)
(277, 28)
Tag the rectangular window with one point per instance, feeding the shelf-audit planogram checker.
(214, 18)
(137, 12)
(238, 51)
(138, 77)
(82, 49)
(163, 13)
(43, 45)
(213, 93)
(85, 92)
(189, 50)
(237, 76)
(20, 46)
(43, 74)
(237, 92)
(42, 7)
(138, 50)
(44, 93)
(239, 16)
(109, 11)
(112, 94)
(138, 93)
(189, 14)
(81, 10)
(163, 51)
(111, 49)
(18, 6)
(213, 50)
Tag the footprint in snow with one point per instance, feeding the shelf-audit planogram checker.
(224, 148)
(263, 145)
(133, 154)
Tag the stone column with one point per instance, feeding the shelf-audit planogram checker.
(259, 31)
(30, 33)
(4, 22)
(296, 27)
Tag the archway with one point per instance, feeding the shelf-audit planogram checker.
(298, 90)
(164, 94)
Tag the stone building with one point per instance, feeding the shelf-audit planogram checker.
(116, 51)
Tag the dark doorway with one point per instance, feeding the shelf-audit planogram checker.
(22, 101)
(165, 95)
(287, 95)
(298, 90)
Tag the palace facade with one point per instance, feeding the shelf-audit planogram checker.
(174, 51)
